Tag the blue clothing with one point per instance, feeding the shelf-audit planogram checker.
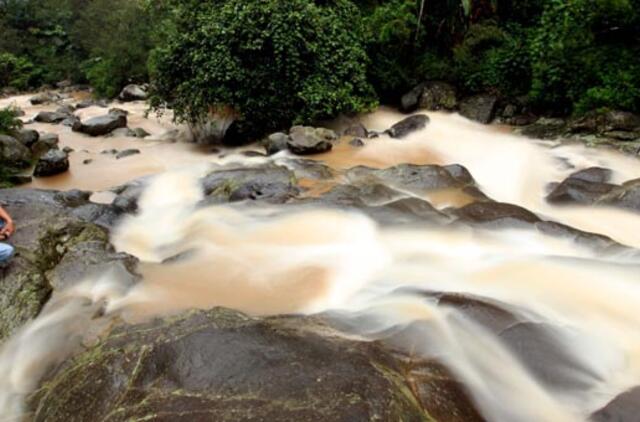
(6, 250)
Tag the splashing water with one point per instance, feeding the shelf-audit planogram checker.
(537, 328)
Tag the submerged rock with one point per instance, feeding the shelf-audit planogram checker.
(496, 214)
(50, 117)
(409, 125)
(127, 153)
(51, 163)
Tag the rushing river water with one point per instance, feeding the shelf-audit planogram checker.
(579, 345)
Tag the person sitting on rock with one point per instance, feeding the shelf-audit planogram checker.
(6, 230)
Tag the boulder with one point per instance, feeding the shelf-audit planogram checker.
(622, 121)
(91, 103)
(356, 142)
(44, 98)
(275, 143)
(593, 175)
(127, 153)
(51, 163)
(622, 408)
(306, 140)
(13, 153)
(357, 131)
(73, 122)
(60, 240)
(140, 133)
(133, 93)
(102, 125)
(438, 96)
(47, 141)
(583, 187)
(27, 137)
(546, 128)
(412, 177)
(409, 101)
(496, 215)
(481, 108)
(50, 117)
(626, 196)
(409, 125)
(225, 366)
(65, 109)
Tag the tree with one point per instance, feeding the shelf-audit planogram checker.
(274, 62)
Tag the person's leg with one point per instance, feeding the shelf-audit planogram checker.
(6, 252)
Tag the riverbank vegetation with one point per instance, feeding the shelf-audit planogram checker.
(280, 62)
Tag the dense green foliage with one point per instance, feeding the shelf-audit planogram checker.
(272, 62)
(278, 61)
(9, 121)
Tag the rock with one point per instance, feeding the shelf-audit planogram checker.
(50, 117)
(308, 169)
(272, 369)
(67, 150)
(406, 126)
(65, 109)
(593, 175)
(44, 98)
(271, 183)
(357, 131)
(73, 122)
(27, 137)
(622, 408)
(416, 178)
(481, 108)
(132, 93)
(140, 133)
(47, 141)
(438, 96)
(546, 128)
(127, 153)
(13, 153)
(496, 214)
(92, 103)
(51, 163)
(275, 143)
(102, 125)
(509, 111)
(622, 121)
(626, 196)
(592, 240)
(356, 142)
(57, 244)
(621, 135)
(308, 140)
(118, 111)
(87, 161)
(124, 132)
(578, 190)
(409, 101)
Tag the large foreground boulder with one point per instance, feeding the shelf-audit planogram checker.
(132, 93)
(221, 365)
(102, 125)
(51, 163)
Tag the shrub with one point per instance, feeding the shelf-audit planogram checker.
(15, 72)
(273, 62)
(9, 121)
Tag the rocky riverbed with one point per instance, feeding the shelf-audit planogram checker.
(443, 200)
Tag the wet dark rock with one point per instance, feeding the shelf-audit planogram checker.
(267, 182)
(275, 143)
(44, 98)
(621, 135)
(133, 93)
(481, 108)
(13, 153)
(309, 169)
(123, 132)
(50, 117)
(271, 369)
(357, 131)
(356, 142)
(19, 179)
(127, 153)
(592, 240)
(66, 109)
(593, 175)
(418, 178)
(102, 125)
(546, 128)
(622, 120)
(577, 190)
(622, 408)
(109, 151)
(51, 163)
(409, 101)
(409, 125)
(140, 132)
(496, 214)
(91, 103)
(87, 161)
(362, 195)
(626, 196)
(460, 173)
(127, 197)
(73, 122)
(57, 243)
(27, 137)
(47, 142)
(306, 140)
(68, 150)
(438, 96)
